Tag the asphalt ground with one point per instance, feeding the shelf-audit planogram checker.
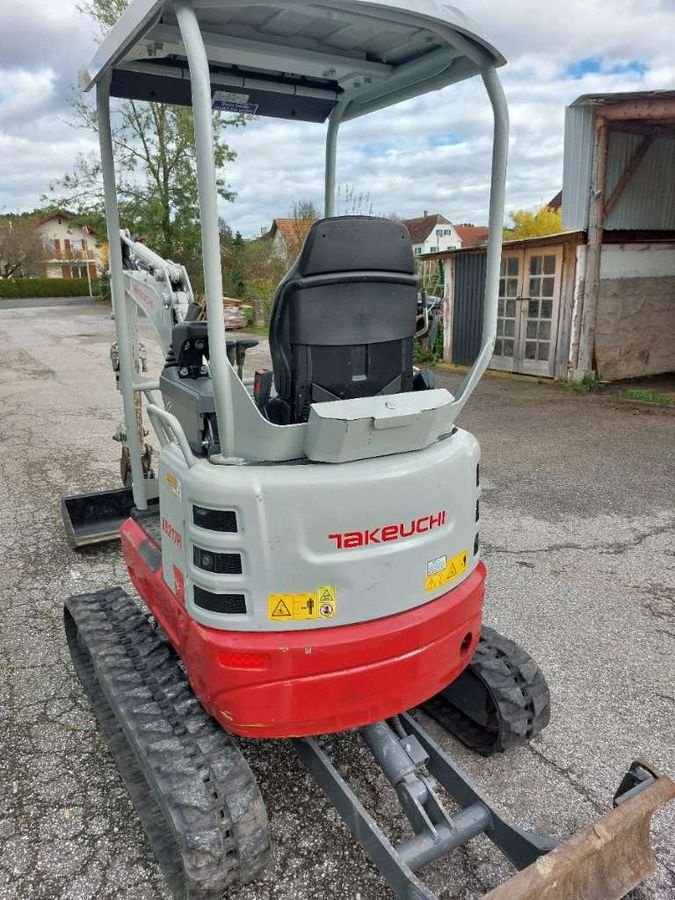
(577, 523)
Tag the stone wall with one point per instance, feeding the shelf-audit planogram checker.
(635, 333)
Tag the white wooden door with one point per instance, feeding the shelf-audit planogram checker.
(539, 311)
(508, 311)
(527, 311)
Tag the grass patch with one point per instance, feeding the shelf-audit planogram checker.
(587, 384)
(260, 330)
(647, 396)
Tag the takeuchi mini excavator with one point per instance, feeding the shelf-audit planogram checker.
(307, 546)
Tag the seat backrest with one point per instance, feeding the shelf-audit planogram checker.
(343, 319)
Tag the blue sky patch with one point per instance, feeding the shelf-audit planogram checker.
(445, 139)
(594, 65)
(633, 67)
(372, 150)
(590, 65)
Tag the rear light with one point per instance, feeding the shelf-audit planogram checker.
(243, 660)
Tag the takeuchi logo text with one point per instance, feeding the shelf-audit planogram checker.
(385, 533)
(172, 533)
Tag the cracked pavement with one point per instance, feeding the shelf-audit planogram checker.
(577, 526)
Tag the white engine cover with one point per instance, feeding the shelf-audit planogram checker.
(323, 545)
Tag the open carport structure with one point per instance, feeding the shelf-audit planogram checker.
(619, 185)
(600, 297)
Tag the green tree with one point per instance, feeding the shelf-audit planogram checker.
(155, 163)
(233, 263)
(252, 270)
(527, 224)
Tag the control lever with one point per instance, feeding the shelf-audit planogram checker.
(262, 387)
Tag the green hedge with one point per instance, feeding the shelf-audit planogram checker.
(12, 288)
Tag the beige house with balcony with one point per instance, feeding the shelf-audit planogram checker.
(72, 248)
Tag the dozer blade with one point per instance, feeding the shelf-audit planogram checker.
(603, 862)
(96, 518)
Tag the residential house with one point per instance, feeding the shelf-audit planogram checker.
(432, 234)
(428, 233)
(288, 235)
(598, 298)
(72, 248)
(472, 235)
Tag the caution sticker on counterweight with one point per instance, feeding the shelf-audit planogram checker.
(442, 571)
(322, 604)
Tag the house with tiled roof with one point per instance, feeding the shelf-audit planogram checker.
(72, 249)
(429, 233)
(472, 235)
(432, 233)
(288, 235)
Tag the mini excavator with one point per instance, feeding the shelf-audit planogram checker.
(307, 549)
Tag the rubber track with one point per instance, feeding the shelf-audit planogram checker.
(193, 791)
(512, 685)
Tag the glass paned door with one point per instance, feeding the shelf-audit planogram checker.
(508, 312)
(539, 312)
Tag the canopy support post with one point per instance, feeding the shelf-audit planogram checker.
(221, 370)
(334, 123)
(500, 150)
(124, 344)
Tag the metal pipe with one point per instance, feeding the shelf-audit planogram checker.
(170, 421)
(221, 370)
(127, 373)
(421, 849)
(334, 123)
(500, 150)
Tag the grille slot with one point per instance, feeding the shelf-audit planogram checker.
(227, 604)
(224, 520)
(219, 563)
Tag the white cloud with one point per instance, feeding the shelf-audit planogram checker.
(389, 155)
(25, 95)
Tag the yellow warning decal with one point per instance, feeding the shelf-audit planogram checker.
(173, 484)
(327, 598)
(302, 607)
(280, 606)
(442, 571)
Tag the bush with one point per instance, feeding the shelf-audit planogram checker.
(18, 288)
(423, 351)
(587, 384)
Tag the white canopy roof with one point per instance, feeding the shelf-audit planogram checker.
(295, 59)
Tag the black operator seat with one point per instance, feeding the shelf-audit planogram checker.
(343, 319)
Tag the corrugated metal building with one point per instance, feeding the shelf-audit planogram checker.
(599, 298)
(647, 201)
(619, 186)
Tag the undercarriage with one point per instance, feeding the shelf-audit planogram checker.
(205, 819)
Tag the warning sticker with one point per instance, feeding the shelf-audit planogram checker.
(173, 484)
(327, 598)
(228, 101)
(302, 607)
(280, 606)
(442, 571)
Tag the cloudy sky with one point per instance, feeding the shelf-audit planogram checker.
(431, 153)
